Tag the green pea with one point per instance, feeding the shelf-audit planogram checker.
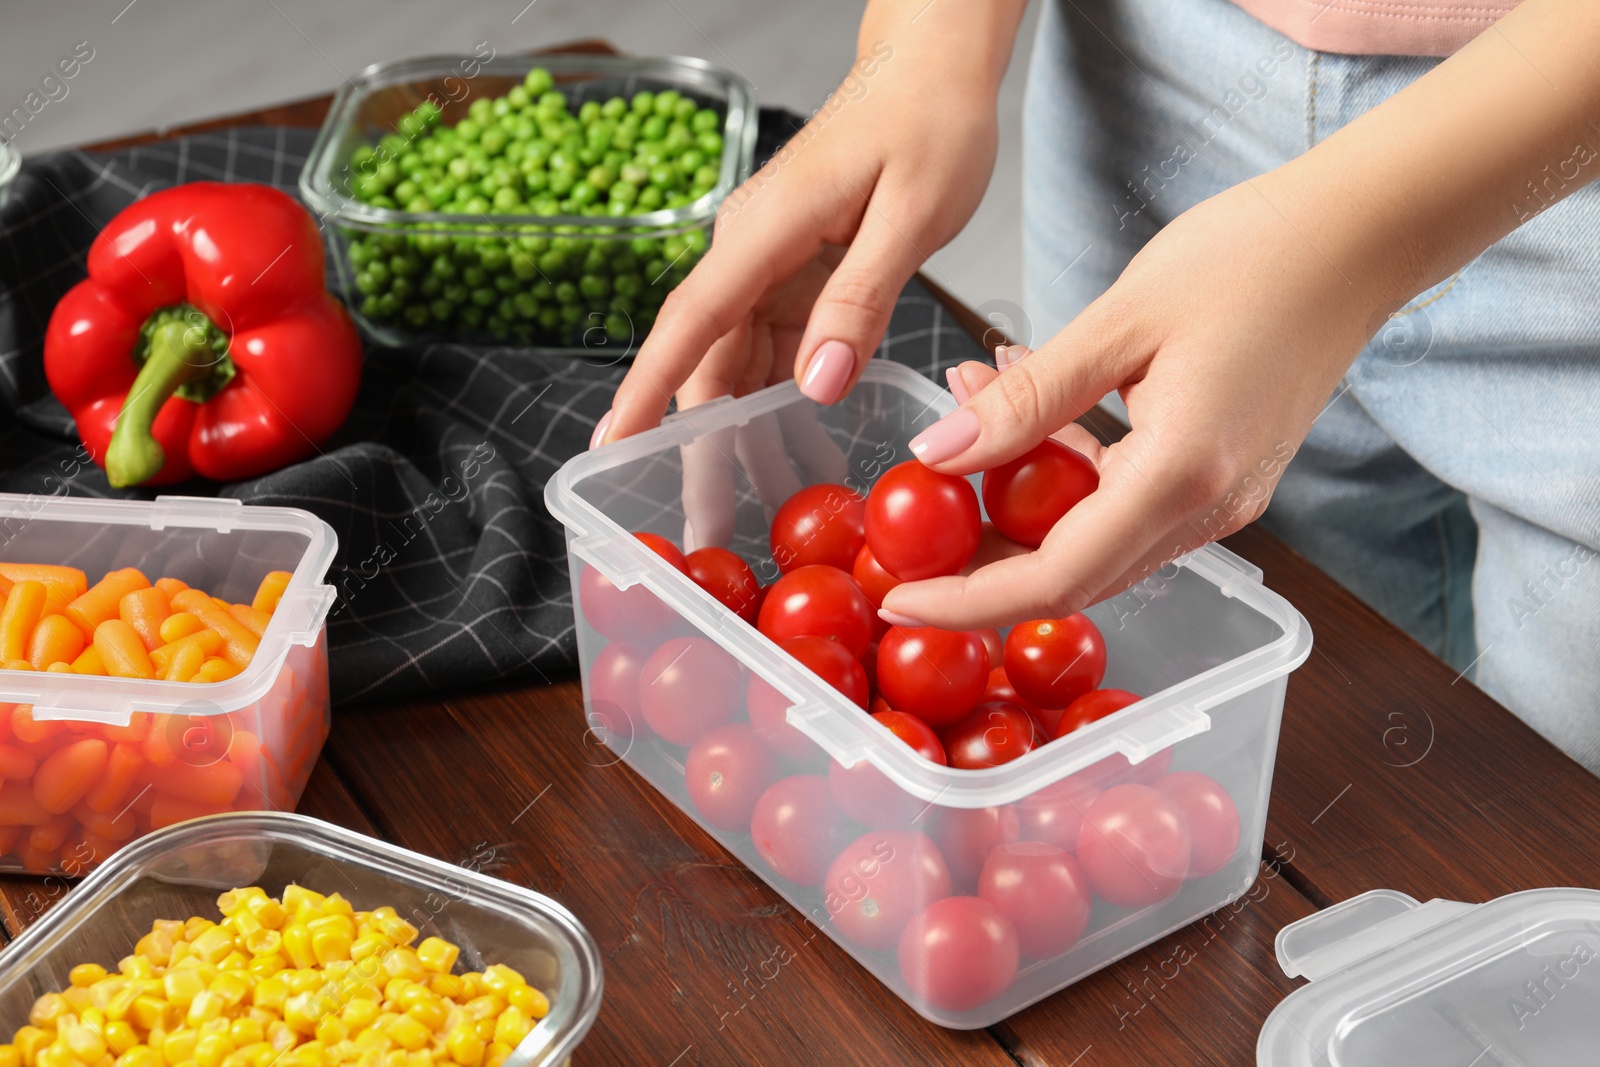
(571, 314)
(389, 305)
(494, 141)
(705, 121)
(507, 283)
(663, 176)
(406, 192)
(666, 101)
(470, 316)
(417, 316)
(456, 293)
(653, 129)
(441, 309)
(601, 177)
(480, 111)
(566, 292)
(594, 286)
(710, 143)
(518, 96)
(589, 112)
(644, 101)
(706, 176)
(367, 284)
(549, 319)
(485, 297)
(650, 198)
(627, 284)
(538, 82)
(468, 129)
(474, 277)
(524, 267)
(583, 194)
(678, 138)
(624, 193)
(478, 205)
(526, 306)
(506, 199)
(552, 263)
(495, 257)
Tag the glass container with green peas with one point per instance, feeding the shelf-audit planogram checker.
(549, 201)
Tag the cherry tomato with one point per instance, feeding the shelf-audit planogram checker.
(1054, 814)
(1044, 893)
(633, 614)
(999, 687)
(873, 579)
(726, 771)
(959, 953)
(686, 687)
(818, 601)
(914, 732)
(726, 577)
(936, 675)
(877, 705)
(1028, 496)
(995, 645)
(989, 735)
(1134, 846)
(966, 836)
(1213, 819)
(922, 524)
(879, 881)
(820, 524)
(612, 697)
(1052, 662)
(869, 797)
(1093, 706)
(796, 828)
(769, 708)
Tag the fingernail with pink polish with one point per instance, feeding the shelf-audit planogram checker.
(828, 372)
(958, 388)
(951, 435)
(896, 619)
(1014, 354)
(598, 438)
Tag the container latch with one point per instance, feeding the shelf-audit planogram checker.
(1343, 935)
(1140, 740)
(306, 612)
(219, 512)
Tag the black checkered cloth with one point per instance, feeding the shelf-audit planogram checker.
(450, 571)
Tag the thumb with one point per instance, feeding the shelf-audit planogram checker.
(1031, 400)
(852, 312)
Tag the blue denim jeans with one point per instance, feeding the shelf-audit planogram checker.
(1453, 482)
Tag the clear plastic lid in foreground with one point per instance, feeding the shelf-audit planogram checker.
(179, 872)
(1511, 983)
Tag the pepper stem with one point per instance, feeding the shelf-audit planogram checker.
(179, 353)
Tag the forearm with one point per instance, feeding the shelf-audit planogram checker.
(969, 41)
(1426, 181)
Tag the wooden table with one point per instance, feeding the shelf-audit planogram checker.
(1391, 772)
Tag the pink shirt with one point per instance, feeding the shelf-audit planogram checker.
(1379, 27)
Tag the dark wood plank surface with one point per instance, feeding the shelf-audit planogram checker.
(1391, 772)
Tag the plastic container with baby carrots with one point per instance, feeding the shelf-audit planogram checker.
(183, 672)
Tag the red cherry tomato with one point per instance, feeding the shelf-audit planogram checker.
(873, 579)
(726, 771)
(1028, 496)
(995, 645)
(959, 953)
(1044, 893)
(1055, 813)
(914, 732)
(1134, 846)
(1213, 819)
(877, 705)
(922, 524)
(818, 601)
(936, 675)
(966, 836)
(614, 678)
(769, 708)
(999, 687)
(796, 828)
(819, 524)
(880, 880)
(1093, 706)
(726, 577)
(989, 735)
(633, 614)
(686, 687)
(1052, 662)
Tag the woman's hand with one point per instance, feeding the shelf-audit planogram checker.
(809, 256)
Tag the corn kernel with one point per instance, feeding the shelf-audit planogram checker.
(47, 1009)
(266, 966)
(429, 1013)
(182, 986)
(268, 912)
(448, 986)
(396, 929)
(336, 904)
(179, 1046)
(86, 974)
(472, 985)
(205, 1006)
(497, 1054)
(84, 1042)
(369, 944)
(56, 1056)
(484, 1028)
(487, 1006)
(359, 1014)
(9, 1056)
(330, 946)
(139, 1056)
(533, 1003)
(297, 944)
(402, 962)
(464, 1046)
(271, 992)
(498, 978)
(512, 1026)
(297, 898)
(407, 1032)
(302, 1011)
(195, 925)
(437, 954)
(213, 944)
(29, 1040)
(137, 966)
(281, 1036)
(210, 1049)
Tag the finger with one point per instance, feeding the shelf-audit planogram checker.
(852, 312)
(743, 263)
(721, 372)
(1033, 398)
(759, 447)
(1141, 495)
(708, 491)
(818, 454)
(969, 378)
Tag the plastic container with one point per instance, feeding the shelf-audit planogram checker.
(371, 105)
(246, 743)
(1510, 983)
(179, 871)
(1203, 641)
(10, 163)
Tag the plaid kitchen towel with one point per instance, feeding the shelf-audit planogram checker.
(450, 571)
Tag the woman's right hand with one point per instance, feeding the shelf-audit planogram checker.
(809, 256)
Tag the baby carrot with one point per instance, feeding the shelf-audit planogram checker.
(216, 784)
(15, 764)
(186, 661)
(165, 810)
(55, 640)
(239, 644)
(254, 620)
(16, 665)
(208, 642)
(270, 591)
(110, 793)
(179, 625)
(27, 729)
(33, 859)
(100, 603)
(70, 582)
(60, 667)
(215, 670)
(18, 806)
(88, 662)
(117, 826)
(68, 774)
(133, 733)
(145, 610)
(122, 651)
(171, 586)
(18, 617)
(51, 834)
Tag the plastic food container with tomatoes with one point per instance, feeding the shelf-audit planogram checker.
(904, 862)
(180, 871)
(91, 761)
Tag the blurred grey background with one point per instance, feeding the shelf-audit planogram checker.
(166, 62)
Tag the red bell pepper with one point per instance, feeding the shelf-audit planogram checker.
(204, 340)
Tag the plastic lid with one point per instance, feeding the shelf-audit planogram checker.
(1511, 983)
